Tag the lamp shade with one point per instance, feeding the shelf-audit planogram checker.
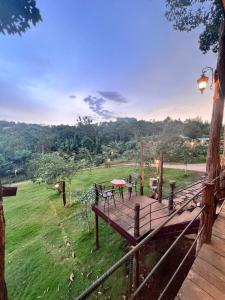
(202, 82)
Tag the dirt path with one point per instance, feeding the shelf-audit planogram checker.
(190, 167)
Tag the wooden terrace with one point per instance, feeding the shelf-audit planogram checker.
(134, 217)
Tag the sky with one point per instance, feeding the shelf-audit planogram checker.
(103, 59)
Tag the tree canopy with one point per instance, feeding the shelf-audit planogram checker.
(89, 143)
(16, 16)
(190, 14)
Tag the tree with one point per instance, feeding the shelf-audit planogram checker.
(51, 168)
(15, 18)
(17, 15)
(190, 14)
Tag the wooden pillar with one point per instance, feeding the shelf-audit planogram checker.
(207, 217)
(64, 192)
(171, 197)
(213, 160)
(137, 220)
(96, 217)
(142, 170)
(160, 177)
(136, 271)
(96, 232)
(3, 289)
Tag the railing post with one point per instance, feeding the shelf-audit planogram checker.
(96, 218)
(64, 192)
(136, 255)
(96, 231)
(3, 289)
(160, 177)
(171, 197)
(137, 220)
(207, 217)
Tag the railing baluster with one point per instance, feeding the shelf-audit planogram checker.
(150, 215)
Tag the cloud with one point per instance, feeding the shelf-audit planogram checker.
(113, 96)
(72, 96)
(96, 105)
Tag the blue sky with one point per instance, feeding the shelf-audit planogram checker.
(104, 59)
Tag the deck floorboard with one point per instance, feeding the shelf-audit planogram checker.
(206, 279)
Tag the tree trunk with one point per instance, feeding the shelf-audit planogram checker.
(3, 289)
(213, 162)
(207, 217)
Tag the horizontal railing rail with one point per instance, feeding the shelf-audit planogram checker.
(136, 248)
(165, 255)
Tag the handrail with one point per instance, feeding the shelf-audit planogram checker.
(136, 248)
(186, 187)
(165, 254)
(149, 204)
(181, 264)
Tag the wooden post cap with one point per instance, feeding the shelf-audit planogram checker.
(172, 183)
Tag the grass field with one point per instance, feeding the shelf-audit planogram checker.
(45, 243)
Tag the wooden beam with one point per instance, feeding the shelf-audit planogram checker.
(213, 162)
(8, 191)
(207, 217)
(115, 225)
(3, 289)
(96, 231)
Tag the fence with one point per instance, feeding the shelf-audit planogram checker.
(207, 212)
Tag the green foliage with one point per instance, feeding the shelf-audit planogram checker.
(17, 15)
(51, 168)
(91, 144)
(187, 15)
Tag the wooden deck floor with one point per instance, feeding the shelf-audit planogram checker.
(123, 213)
(206, 279)
(121, 217)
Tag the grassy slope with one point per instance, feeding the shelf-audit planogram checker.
(39, 261)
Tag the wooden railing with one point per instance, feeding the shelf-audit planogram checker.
(207, 212)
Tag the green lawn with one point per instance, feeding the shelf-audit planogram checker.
(45, 242)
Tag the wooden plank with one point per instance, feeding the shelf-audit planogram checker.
(9, 191)
(219, 227)
(218, 234)
(221, 217)
(190, 290)
(212, 258)
(116, 226)
(218, 244)
(209, 273)
(220, 221)
(205, 285)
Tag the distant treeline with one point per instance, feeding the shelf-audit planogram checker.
(20, 141)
